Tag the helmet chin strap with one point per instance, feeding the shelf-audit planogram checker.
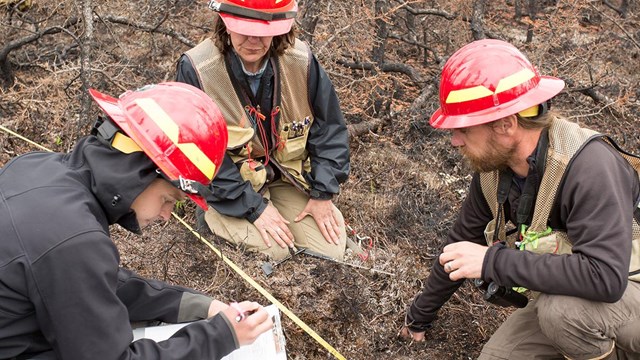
(190, 187)
(249, 13)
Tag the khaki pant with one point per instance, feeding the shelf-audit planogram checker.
(289, 202)
(555, 327)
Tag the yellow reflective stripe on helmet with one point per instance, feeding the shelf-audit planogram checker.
(124, 143)
(468, 94)
(480, 91)
(514, 80)
(199, 159)
(171, 129)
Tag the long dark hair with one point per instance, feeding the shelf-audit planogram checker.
(222, 39)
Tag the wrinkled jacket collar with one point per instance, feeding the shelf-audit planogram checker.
(115, 178)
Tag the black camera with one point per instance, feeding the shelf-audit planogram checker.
(501, 295)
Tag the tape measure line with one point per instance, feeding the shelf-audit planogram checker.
(265, 293)
(24, 139)
(232, 265)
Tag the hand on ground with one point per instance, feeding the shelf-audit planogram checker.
(407, 334)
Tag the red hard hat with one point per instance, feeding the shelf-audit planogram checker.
(177, 125)
(257, 17)
(487, 80)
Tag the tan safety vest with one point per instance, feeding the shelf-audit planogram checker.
(290, 155)
(565, 139)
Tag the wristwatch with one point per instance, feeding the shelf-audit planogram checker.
(319, 195)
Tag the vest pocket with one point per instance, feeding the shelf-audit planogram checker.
(293, 149)
(254, 172)
(489, 230)
(238, 137)
(543, 245)
(293, 140)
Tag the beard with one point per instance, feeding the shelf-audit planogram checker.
(494, 157)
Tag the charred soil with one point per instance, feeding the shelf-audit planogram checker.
(407, 182)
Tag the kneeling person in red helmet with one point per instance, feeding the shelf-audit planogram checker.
(62, 292)
(568, 196)
(288, 141)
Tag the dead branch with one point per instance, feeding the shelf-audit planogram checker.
(617, 24)
(621, 10)
(477, 27)
(148, 28)
(435, 12)
(309, 19)
(378, 52)
(6, 73)
(386, 67)
(597, 97)
(364, 127)
(86, 55)
(532, 15)
(426, 94)
(437, 58)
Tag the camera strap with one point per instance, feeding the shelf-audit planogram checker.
(537, 163)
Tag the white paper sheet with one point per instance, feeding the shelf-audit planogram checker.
(268, 346)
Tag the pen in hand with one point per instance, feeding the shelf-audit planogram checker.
(241, 313)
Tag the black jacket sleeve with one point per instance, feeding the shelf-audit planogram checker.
(231, 194)
(82, 302)
(469, 226)
(172, 304)
(328, 141)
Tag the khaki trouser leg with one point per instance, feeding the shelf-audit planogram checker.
(289, 202)
(585, 329)
(577, 328)
(520, 337)
(242, 233)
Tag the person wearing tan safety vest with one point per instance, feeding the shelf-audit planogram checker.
(552, 208)
(288, 143)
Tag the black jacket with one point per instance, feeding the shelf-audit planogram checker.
(327, 144)
(61, 290)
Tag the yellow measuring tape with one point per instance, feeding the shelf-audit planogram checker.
(233, 266)
(24, 139)
(264, 292)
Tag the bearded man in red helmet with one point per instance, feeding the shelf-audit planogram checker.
(288, 142)
(62, 292)
(552, 207)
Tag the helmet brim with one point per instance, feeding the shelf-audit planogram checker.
(547, 88)
(111, 107)
(253, 27)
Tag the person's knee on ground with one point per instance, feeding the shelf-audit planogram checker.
(577, 328)
(241, 233)
(245, 235)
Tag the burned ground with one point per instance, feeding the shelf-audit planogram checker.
(406, 184)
